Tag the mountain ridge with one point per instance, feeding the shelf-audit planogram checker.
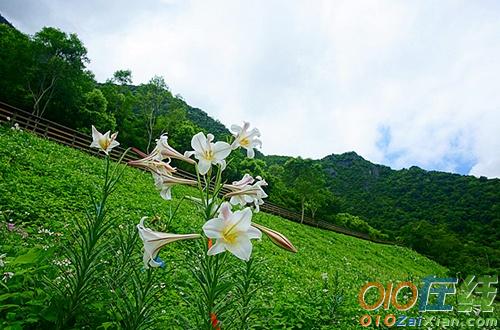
(5, 21)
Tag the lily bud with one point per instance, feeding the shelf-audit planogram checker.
(154, 241)
(153, 165)
(277, 238)
(165, 182)
(163, 150)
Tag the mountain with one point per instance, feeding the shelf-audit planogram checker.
(464, 210)
(3, 20)
(203, 120)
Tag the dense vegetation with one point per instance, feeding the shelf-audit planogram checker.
(44, 190)
(453, 219)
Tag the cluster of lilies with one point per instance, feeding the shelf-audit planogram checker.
(229, 220)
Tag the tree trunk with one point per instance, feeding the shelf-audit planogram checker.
(39, 96)
(150, 126)
(303, 209)
(313, 214)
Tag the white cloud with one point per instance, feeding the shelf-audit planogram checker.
(316, 79)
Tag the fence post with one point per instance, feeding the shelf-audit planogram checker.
(46, 130)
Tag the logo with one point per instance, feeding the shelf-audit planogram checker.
(475, 295)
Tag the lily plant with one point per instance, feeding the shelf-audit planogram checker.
(226, 210)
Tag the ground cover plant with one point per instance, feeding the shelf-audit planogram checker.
(44, 194)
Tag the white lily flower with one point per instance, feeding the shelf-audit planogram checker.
(163, 151)
(232, 232)
(246, 191)
(245, 139)
(165, 182)
(2, 256)
(155, 240)
(161, 171)
(207, 152)
(103, 141)
(153, 164)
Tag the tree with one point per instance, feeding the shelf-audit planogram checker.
(15, 61)
(306, 179)
(95, 111)
(58, 59)
(122, 77)
(321, 199)
(121, 103)
(154, 96)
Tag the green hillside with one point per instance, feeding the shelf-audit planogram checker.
(43, 189)
(453, 218)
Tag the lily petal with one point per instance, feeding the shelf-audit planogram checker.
(199, 142)
(250, 153)
(213, 228)
(254, 233)
(203, 166)
(221, 150)
(216, 249)
(241, 249)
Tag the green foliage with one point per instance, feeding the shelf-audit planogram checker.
(51, 182)
(58, 64)
(122, 77)
(306, 180)
(355, 223)
(15, 60)
(95, 110)
(147, 111)
(22, 300)
(450, 217)
(80, 278)
(135, 302)
(153, 98)
(207, 123)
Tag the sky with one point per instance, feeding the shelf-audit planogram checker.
(401, 83)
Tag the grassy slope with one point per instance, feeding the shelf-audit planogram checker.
(50, 182)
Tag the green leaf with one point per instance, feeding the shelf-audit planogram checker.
(107, 325)
(7, 296)
(30, 257)
(50, 316)
(16, 326)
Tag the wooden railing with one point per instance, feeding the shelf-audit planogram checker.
(70, 137)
